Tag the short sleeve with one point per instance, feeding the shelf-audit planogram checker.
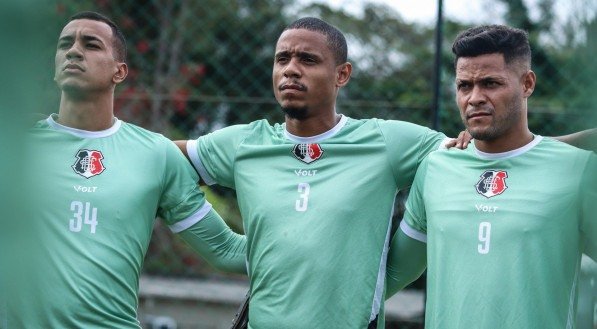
(415, 216)
(407, 145)
(214, 154)
(181, 198)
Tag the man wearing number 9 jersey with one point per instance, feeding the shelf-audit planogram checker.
(506, 221)
(99, 185)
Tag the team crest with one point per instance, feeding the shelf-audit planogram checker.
(307, 153)
(492, 183)
(89, 163)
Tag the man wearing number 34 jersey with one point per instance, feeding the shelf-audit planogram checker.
(99, 185)
(505, 221)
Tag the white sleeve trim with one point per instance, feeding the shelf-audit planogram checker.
(196, 161)
(413, 233)
(191, 220)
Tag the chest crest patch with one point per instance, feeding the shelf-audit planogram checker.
(88, 163)
(492, 183)
(307, 153)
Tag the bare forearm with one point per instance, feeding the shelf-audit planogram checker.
(585, 139)
(182, 145)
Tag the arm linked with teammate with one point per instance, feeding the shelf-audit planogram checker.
(217, 243)
(182, 145)
(211, 237)
(407, 259)
(585, 139)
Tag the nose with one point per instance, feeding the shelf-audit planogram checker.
(74, 52)
(292, 69)
(477, 97)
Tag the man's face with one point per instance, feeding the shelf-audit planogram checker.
(304, 73)
(84, 57)
(492, 95)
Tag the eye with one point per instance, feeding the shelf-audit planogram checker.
(309, 60)
(462, 85)
(64, 45)
(93, 46)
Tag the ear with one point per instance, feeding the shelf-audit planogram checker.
(528, 83)
(121, 73)
(343, 72)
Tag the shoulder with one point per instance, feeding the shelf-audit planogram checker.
(564, 152)
(39, 125)
(140, 132)
(406, 130)
(389, 127)
(393, 124)
(245, 127)
(144, 137)
(240, 132)
(448, 157)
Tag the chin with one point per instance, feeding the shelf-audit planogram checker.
(295, 112)
(483, 134)
(70, 87)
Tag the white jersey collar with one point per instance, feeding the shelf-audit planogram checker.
(83, 133)
(509, 154)
(317, 138)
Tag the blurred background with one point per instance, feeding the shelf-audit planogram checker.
(199, 65)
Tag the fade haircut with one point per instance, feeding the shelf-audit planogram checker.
(118, 40)
(335, 38)
(511, 42)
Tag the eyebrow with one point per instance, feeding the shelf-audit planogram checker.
(85, 38)
(485, 79)
(301, 54)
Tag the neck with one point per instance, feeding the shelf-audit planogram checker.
(91, 114)
(505, 143)
(312, 126)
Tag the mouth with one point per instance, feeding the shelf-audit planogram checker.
(477, 114)
(72, 67)
(292, 86)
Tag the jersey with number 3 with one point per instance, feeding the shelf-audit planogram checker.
(505, 233)
(317, 213)
(98, 194)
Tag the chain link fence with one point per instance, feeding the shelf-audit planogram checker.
(199, 65)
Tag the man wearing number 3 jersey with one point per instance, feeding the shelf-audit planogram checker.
(317, 192)
(100, 183)
(506, 221)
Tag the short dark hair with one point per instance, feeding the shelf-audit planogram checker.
(511, 42)
(336, 40)
(118, 40)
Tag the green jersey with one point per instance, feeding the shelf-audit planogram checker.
(317, 213)
(505, 233)
(97, 197)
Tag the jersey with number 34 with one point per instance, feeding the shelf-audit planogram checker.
(96, 198)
